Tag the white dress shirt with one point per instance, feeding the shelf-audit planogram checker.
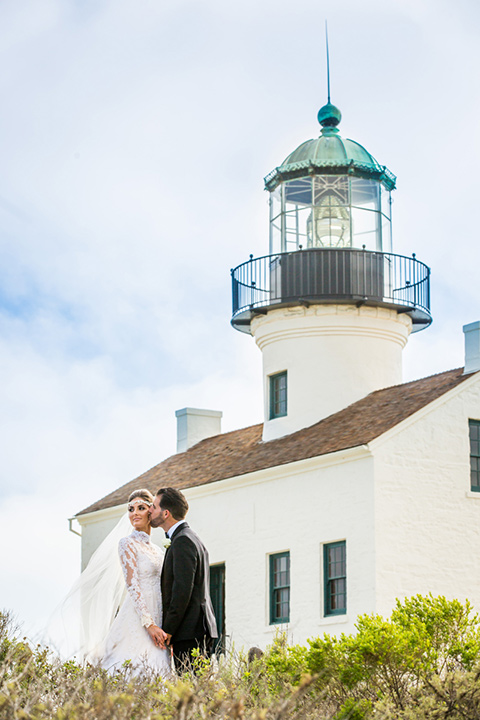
(173, 528)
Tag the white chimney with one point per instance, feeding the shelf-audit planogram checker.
(194, 425)
(472, 347)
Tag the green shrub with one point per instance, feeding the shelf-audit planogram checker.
(284, 665)
(396, 660)
(421, 663)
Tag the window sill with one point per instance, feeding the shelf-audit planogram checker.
(470, 494)
(333, 619)
(282, 627)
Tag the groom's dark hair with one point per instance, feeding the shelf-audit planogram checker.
(173, 500)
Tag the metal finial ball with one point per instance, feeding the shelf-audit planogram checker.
(329, 115)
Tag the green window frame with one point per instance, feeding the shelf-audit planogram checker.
(474, 433)
(280, 588)
(278, 395)
(335, 578)
(217, 596)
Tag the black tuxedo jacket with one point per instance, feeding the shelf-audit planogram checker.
(187, 607)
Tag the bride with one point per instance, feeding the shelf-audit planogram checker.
(111, 610)
(141, 560)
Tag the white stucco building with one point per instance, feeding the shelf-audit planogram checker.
(356, 489)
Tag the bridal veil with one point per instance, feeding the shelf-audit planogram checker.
(80, 624)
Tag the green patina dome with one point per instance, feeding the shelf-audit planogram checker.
(330, 154)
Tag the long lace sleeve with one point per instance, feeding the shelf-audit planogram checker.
(128, 559)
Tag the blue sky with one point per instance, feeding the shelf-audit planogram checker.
(134, 138)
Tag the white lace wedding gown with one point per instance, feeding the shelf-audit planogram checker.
(128, 638)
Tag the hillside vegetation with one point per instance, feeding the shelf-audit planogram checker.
(423, 662)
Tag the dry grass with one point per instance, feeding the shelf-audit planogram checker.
(34, 685)
(423, 663)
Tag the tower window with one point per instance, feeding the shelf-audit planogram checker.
(280, 588)
(278, 395)
(335, 578)
(474, 431)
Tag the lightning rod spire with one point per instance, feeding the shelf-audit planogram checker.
(328, 116)
(328, 61)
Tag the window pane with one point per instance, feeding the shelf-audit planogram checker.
(278, 395)
(365, 226)
(474, 432)
(335, 580)
(385, 200)
(299, 191)
(365, 193)
(386, 239)
(280, 588)
(338, 594)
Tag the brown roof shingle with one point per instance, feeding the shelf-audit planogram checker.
(242, 451)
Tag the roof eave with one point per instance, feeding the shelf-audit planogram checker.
(311, 167)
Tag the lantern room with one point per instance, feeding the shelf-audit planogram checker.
(330, 236)
(330, 193)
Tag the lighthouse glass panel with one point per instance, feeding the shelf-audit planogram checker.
(330, 211)
(329, 222)
(386, 217)
(297, 202)
(276, 219)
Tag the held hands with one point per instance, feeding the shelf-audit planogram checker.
(159, 637)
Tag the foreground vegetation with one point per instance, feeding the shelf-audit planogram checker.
(421, 663)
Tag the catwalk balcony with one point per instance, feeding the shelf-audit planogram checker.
(334, 276)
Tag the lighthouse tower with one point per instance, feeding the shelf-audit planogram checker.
(331, 307)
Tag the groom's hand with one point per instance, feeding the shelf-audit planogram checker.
(168, 638)
(157, 635)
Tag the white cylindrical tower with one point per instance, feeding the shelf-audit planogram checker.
(332, 355)
(331, 307)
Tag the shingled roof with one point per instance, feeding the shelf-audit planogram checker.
(243, 451)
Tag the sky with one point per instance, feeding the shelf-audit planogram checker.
(134, 139)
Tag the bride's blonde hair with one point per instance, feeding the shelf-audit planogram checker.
(142, 493)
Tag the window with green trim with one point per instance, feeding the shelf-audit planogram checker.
(474, 431)
(335, 578)
(280, 588)
(278, 395)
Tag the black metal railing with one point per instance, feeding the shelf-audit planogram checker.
(327, 275)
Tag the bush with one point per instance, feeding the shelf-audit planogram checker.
(427, 648)
(422, 663)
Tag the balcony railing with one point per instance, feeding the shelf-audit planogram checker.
(327, 275)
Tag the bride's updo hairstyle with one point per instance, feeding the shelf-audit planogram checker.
(142, 493)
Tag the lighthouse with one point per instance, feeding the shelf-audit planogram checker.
(377, 470)
(331, 307)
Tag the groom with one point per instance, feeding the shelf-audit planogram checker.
(188, 618)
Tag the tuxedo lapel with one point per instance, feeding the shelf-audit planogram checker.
(178, 530)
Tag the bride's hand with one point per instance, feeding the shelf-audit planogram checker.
(158, 635)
